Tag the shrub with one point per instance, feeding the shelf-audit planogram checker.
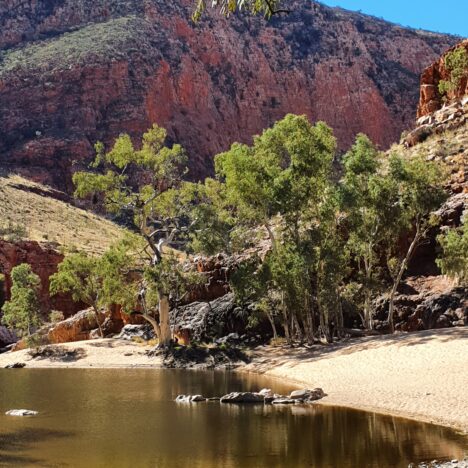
(456, 62)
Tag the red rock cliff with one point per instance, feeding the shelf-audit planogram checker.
(75, 71)
(430, 99)
(44, 263)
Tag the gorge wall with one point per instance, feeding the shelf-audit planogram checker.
(76, 71)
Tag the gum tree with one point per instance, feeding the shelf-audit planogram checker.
(23, 310)
(82, 276)
(454, 259)
(281, 186)
(155, 209)
(420, 192)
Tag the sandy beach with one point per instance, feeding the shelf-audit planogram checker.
(421, 375)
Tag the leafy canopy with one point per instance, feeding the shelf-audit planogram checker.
(22, 311)
(454, 259)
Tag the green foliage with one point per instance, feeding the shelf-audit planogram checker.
(280, 186)
(266, 8)
(456, 62)
(80, 275)
(163, 166)
(454, 259)
(22, 311)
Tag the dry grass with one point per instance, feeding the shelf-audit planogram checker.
(52, 222)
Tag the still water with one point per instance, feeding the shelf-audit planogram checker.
(127, 418)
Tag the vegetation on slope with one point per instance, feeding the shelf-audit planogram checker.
(27, 213)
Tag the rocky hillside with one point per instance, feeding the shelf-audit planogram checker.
(75, 71)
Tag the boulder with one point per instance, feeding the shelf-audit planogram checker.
(307, 394)
(7, 337)
(21, 412)
(243, 397)
(190, 398)
(129, 332)
(76, 328)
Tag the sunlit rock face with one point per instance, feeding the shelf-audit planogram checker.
(76, 71)
(430, 98)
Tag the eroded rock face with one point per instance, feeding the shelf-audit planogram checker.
(430, 98)
(77, 71)
(44, 263)
(76, 328)
(426, 310)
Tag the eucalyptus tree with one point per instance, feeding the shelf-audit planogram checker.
(369, 200)
(454, 259)
(23, 311)
(145, 185)
(82, 276)
(281, 186)
(420, 188)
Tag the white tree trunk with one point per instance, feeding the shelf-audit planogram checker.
(403, 266)
(165, 327)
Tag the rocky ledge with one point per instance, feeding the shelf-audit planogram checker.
(264, 396)
(449, 117)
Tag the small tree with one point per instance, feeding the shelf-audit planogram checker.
(454, 259)
(22, 311)
(456, 63)
(82, 276)
(369, 201)
(420, 192)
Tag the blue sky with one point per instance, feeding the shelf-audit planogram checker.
(448, 16)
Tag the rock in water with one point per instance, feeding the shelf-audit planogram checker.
(16, 365)
(21, 412)
(283, 401)
(243, 397)
(190, 398)
(307, 394)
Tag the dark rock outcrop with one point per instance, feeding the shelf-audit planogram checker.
(426, 310)
(213, 321)
(76, 71)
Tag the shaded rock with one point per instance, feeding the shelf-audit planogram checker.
(218, 320)
(21, 412)
(129, 332)
(425, 310)
(7, 337)
(242, 397)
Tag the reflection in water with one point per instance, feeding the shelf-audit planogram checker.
(127, 418)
